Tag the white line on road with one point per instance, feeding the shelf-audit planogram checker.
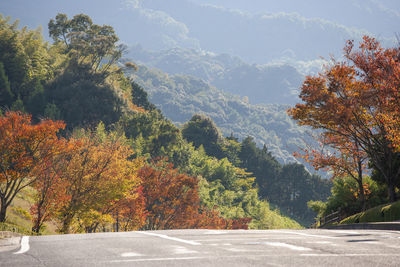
(303, 234)
(279, 244)
(182, 250)
(348, 255)
(344, 232)
(156, 259)
(131, 254)
(319, 242)
(24, 245)
(215, 232)
(194, 243)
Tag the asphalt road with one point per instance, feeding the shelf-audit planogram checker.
(210, 248)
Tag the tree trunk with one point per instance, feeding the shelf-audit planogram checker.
(362, 195)
(3, 212)
(37, 221)
(392, 192)
(66, 223)
(361, 185)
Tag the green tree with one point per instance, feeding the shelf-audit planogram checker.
(201, 130)
(139, 97)
(345, 197)
(83, 99)
(87, 43)
(5, 90)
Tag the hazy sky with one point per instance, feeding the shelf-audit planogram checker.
(256, 30)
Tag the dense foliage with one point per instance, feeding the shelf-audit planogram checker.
(356, 105)
(119, 162)
(180, 97)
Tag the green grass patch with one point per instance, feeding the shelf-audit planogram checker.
(383, 213)
(9, 227)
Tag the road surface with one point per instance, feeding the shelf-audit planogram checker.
(210, 248)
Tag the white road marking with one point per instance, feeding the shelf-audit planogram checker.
(182, 250)
(219, 244)
(344, 232)
(348, 255)
(303, 234)
(372, 242)
(194, 243)
(220, 239)
(156, 259)
(131, 254)
(242, 250)
(215, 232)
(241, 239)
(319, 242)
(279, 244)
(24, 245)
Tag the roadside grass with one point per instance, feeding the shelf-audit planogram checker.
(19, 219)
(383, 213)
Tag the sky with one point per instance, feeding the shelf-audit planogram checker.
(257, 31)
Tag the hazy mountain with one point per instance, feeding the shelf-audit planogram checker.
(262, 36)
(260, 83)
(257, 31)
(380, 17)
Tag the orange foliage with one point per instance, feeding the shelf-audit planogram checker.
(98, 173)
(50, 188)
(172, 201)
(357, 104)
(131, 211)
(24, 148)
(171, 198)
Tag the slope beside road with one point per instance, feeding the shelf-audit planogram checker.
(210, 248)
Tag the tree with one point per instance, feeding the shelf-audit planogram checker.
(98, 173)
(6, 95)
(357, 101)
(28, 62)
(83, 99)
(154, 136)
(171, 198)
(342, 158)
(23, 149)
(139, 97)
(345, 197)
(12, 55)
(262, 164)
(50, 188)
(201, 130)
(87, 43)
(131, 211)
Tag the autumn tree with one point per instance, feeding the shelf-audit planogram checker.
(130, 212)
(355, 101)
(341, 158)
(50, 189)
(24, 148)
(98, 173)
(171, 198)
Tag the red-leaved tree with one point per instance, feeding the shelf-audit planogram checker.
(24, 148)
